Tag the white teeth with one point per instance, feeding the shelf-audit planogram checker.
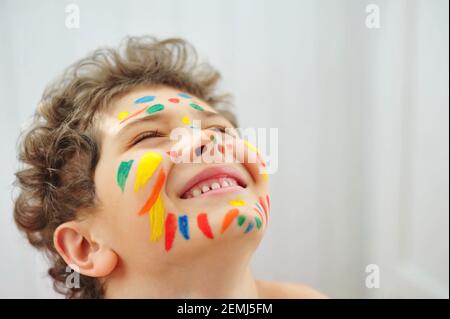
(196, 192)
(215, 185)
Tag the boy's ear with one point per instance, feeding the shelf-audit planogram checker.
(75, 246)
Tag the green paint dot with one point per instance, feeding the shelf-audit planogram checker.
(122, 173)
(258, 222)
(241, 220)
(196, 106)
(155, 108)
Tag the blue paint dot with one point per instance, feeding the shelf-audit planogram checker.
(185, 95)
(144, 99)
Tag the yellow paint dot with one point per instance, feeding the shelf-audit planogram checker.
(237, 202)
(122, 115)
(186, 120)
(265, 175)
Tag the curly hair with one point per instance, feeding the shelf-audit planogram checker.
(60, 150)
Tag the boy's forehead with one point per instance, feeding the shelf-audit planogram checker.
(136, 99)
(140, 102)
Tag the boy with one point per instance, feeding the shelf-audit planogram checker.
(109, 191)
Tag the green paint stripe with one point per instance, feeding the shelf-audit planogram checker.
(155, 108)
(241, 220)
(258, 222)
(122, 173)
(196, 106)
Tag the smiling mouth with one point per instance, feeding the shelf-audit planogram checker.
(214, 180)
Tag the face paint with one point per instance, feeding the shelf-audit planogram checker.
(148, 163)
(228, 219)
(156, 219)
(249, 227)
(184, 95)
(122, 173)
(196, 106)
(261, 201)
(259, 213)
(174, 100)
(258, 222)
(268, 201)
(184, 226)
(221, 148)
(171, 228)
(186, 120)
(241, 220)
(253, 148)
(213, 139)
(155, 108)
(144, 99)
(133, 115)
(122, 115)
(265, 175)
(154, 195)
(250, 146)
(237, 202)
(203, 224)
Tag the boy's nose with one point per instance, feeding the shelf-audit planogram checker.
(196, 144)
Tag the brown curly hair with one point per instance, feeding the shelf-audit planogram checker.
(61, 149)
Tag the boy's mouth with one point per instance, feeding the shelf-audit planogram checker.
(213, 180)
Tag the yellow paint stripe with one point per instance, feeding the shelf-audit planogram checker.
(156, 218)
(148, 163)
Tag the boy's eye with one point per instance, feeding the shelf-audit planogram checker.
(145, 135)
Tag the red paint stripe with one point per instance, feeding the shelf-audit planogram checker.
(171, 228)
(261, 201)
(260, 214)
(203, 224)
(133, 115)
(268, 201)
(154, 194)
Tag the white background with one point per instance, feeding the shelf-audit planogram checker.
(362, 117)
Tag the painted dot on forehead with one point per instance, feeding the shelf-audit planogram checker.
(184, 95)
(122, 115)
(196, 106)
(155, 108)
(144, 99)
(174, 100)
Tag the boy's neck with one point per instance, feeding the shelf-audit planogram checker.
(213, 274)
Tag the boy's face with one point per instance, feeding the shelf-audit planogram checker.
(159, 201)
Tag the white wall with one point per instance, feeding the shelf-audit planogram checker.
(362, 117)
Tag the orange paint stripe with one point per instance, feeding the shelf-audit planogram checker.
(133, 114)
(154, 194)
(228, 219)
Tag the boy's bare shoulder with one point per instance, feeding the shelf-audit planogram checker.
(273, 290)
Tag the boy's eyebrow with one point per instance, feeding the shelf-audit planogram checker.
(155, 117)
